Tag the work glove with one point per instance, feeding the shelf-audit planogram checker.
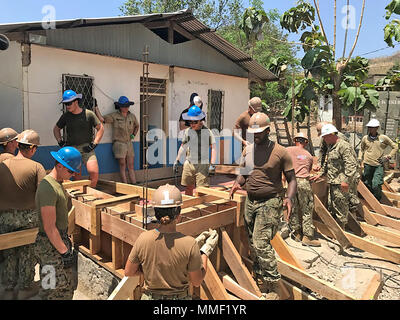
(201, 239)
(132, 137)
(69, 258)
(210, 243)
(62, 143)
(90, 147)
(175, 167)
(211, 170)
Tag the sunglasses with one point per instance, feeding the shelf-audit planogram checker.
(194, 122)
(67, 104)
(70, 171)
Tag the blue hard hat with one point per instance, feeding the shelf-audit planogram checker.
(194, 113)
(70, 95)
(124, 102)
(69, 157)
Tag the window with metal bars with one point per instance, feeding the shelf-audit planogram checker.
(215, 109)
(80, 84)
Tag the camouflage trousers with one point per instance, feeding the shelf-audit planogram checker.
(57, 283)
(354, 201)
(261, 219)
(19, 263)
(301, 218)
(339, 202)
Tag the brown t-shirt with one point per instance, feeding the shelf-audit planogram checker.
(264, 165)
(166, 260)
(5, 156)
(302, 161)
(19, 181)
(243, 123)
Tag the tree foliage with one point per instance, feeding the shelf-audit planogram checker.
(392, 29)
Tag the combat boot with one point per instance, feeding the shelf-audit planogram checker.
(28, 293)
(312, 242)
(296, 235)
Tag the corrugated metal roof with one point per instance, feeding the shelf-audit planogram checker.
(183, 18)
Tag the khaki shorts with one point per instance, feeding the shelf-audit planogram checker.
(195, 174)
(122, 149)
(86, 156)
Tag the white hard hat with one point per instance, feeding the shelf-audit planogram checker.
(373, 123)
(328, 129)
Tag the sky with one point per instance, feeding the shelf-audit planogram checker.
(371, 35)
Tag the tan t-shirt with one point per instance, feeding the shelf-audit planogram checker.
(123, 127)
(19, 181)
(166, 260)
(372, 150)
(5, 156)
(264, 174)
(52, 194)
(302, 161)
(243, 123)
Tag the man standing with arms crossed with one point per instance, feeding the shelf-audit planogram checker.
(8, 139)
(301, 221)
(372, 154)
(20, 178)
(264, 162)
(53, 247)
(125, 128)
(168, 259)
(79, 124)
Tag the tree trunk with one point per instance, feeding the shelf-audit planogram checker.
(337, 111)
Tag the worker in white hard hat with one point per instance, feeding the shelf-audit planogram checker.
(20, 178)
(301, 221)
(372, 154)
(168, 259)
(340, 170)
(263, 164)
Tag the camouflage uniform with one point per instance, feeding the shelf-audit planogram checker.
(303, 208)
(153, 296)
(261, 219)
(341, 166)
(353, 200)
(66, 279)
(19, 264)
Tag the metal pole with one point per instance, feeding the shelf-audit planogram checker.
(145, 123)
(293, 102)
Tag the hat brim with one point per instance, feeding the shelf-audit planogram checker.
(57, 157)
(201, 116)
(78, 96)
(130, 103)
(327, 134)
(257, 130)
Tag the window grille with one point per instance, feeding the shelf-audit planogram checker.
(80, 84)
(215, 109)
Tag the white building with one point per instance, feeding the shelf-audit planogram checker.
(102, 59)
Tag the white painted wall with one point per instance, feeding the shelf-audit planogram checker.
(11, 95)
(114, 77)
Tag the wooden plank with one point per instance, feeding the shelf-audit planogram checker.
(317, 285)
(71, 221)
(76, 184)
(392, 195)
(389, 236)
(220, 194)
(214, 285)
(125, 288)
(326, 217)
(237, 266)
(368, 217)
(116, 252)
(370, 199)
(214, 221)
(374, 288)
(392, 211)
(115, 200)
(366, 245)
(18, 238)
(284, 252)
(188, 203)
(387, 221)
(237, 290)
(95, 227)
(296, 293)
(82, 214)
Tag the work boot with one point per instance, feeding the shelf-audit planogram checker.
(273, 291)
(28, 292)
(312, 242)
(296, 236)
(8, 294)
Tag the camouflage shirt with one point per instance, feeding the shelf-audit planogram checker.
(341, 164)
(323, 149)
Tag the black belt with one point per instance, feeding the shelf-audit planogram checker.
(262, 197)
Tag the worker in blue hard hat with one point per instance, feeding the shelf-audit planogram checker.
(124, 130)
(197, 141)
(53, 246)
(195, 99)
(79, 124)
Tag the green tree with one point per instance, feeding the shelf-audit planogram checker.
(392, 29)
(341, 78)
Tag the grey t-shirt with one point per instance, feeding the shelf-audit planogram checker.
(198, 144)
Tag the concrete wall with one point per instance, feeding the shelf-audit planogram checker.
(11, 95)
(114, 77)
